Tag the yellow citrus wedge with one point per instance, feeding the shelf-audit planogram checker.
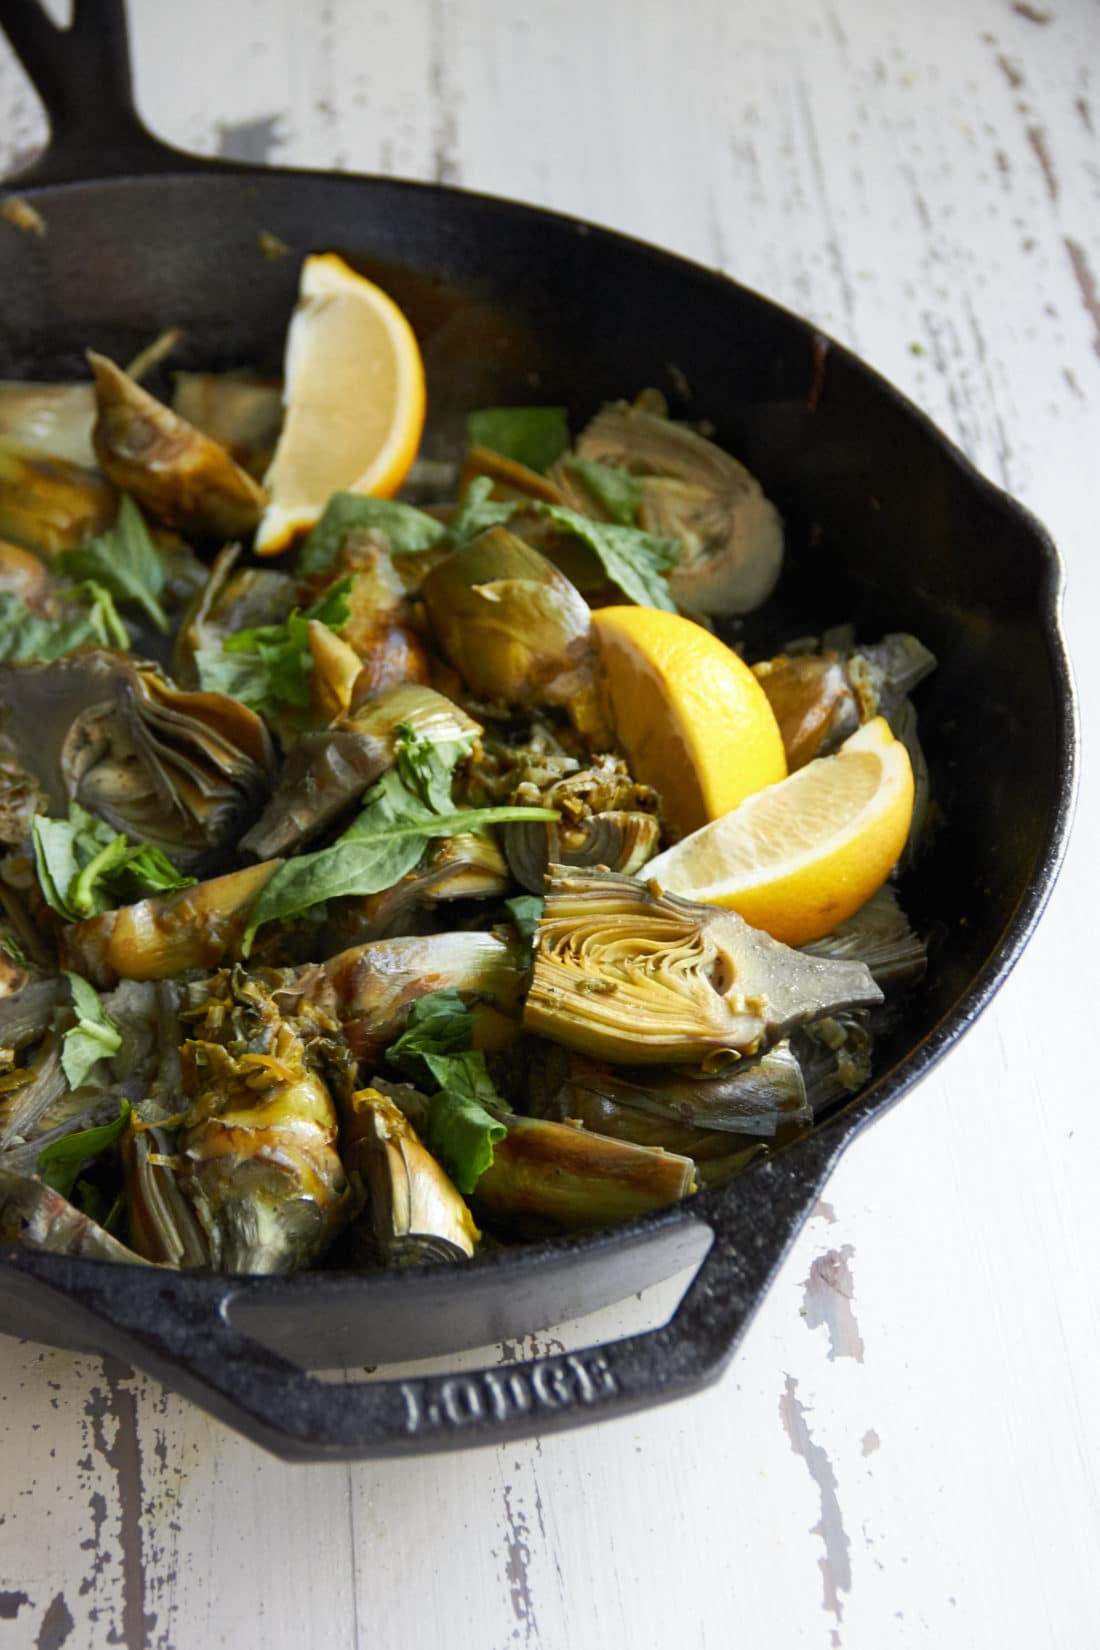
(354, 397)
(691, 716)
(799, 857)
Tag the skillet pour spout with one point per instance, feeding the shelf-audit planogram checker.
(887, 526)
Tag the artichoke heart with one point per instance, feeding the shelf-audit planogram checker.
(180, 770)
(414, 1211)
(626, 974)
(256, 1149)
(731, 534)
(180, 475)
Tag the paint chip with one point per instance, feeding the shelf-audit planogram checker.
(828, 1294)
(836, 1562)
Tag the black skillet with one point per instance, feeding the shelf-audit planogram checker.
(888, 525)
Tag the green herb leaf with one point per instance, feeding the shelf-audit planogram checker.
(439, 1023)
(269, 667)
(435, 1048)
(124, 560)
(60, 1163)
(535, 436)
(476, 512)
(462, 1131)
(407, 529)
(631, 559)
(384, 844)
(410, 805)
(93, 1038)
(27, 635)
(84, 867)
(526, 912)
(617, 491)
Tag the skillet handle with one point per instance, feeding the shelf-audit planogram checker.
(82, 75)
(180, 1328)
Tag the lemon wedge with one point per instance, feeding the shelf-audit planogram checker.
(798, 858)
(354, 397)
(691, 716)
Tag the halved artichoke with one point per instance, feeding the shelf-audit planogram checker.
(513, 626)
(556, 1176)
(183, 771)
(157, 938)
(636, 977)
(879, 936)
(820, 698)
(256, 1151)
(606, 819)
(693, 491)
(412, 1209)
(180, 475)
(369, 989)
(230, 600)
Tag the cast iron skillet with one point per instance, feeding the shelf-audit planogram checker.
(887, 525)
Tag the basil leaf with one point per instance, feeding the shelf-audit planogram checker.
(438, 1023)
(124, 561)
(59, 1164)
(407, 529)
(631, 559)
(269, 667)
(617, 491)
(435, 1047)
(526, 912)
(461, 1130)
(27, 635)
(409, 806)
(534, 436)
(476, 512)
(93, 1038)
(84, 867)
(384, 844)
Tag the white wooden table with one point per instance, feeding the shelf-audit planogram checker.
(907, 1449)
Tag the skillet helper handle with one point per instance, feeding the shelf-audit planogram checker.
(83, 77)
(180, 1328)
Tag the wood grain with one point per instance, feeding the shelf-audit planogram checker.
(907, 1450)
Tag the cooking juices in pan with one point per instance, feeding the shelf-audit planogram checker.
(388, 876)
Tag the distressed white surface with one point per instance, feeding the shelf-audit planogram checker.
(925, 182)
